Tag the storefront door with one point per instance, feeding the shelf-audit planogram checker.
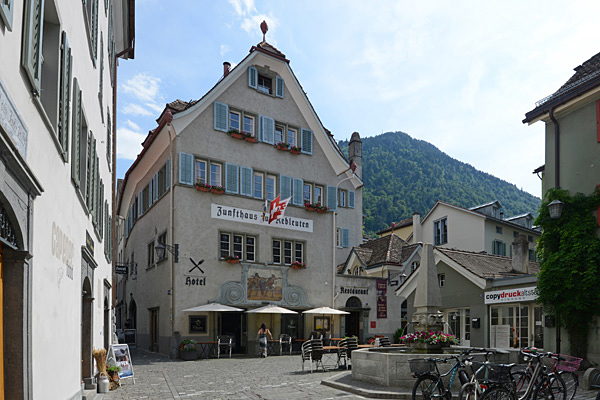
(510, 326)
(154, 330)
(459, 321)
(538, 327)
(231, 325)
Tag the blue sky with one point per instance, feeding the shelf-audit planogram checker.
(460, 75)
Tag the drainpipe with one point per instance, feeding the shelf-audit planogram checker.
(556, 147)
(169, 117)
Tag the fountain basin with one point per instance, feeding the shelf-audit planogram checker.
(389, 367)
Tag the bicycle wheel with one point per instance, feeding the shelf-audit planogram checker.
(521, 380)
(498, 393)
(571, 383)
(427, 387)
(467, 392)
(551, 388)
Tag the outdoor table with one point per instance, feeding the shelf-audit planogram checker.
(207, 348)
(273, 347)
(364, 346)
(329, 352)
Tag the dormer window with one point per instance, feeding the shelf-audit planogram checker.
(265, 84)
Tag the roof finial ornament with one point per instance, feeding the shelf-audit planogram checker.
(264, 28)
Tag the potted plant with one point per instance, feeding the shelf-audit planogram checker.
(203, 187)
(282, 146)
(113, 372)
(298, 265)
(232, 259)
(295, 150)
(188, 350)
(234, 133)
(321, 209)
(250, 137)
(309, 207)
(217, 189)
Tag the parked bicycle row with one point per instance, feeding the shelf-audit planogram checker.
(543, 376)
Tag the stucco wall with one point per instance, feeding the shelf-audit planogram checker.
(464, 228)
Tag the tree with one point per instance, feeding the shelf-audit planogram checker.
(569, 252)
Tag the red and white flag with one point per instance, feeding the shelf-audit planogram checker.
(278, 208)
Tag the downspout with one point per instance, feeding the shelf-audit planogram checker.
(169, 117)
(556, 149)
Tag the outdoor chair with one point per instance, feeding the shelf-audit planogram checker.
(350, 344)
(312, 351)
(224, 343)
(285, 340)
(384, 341)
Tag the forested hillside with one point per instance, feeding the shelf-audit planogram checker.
(403, 175)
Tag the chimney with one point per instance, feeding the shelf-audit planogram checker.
(520, 257)
(226, 67)
(355, 153)
(417, 228)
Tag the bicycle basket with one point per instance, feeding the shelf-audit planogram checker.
(569, 363)
(420, 366)
(492, 372)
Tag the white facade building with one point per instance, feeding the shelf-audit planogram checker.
(57, 77)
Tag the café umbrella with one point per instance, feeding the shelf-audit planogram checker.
(271, 309)
(214, 308)
(325, 311)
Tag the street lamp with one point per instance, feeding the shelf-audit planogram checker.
(161, 248)
(555, 208)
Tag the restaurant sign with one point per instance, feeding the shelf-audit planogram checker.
(511, 295)
(256, 217)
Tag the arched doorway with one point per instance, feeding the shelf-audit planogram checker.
(354, 307)
(86, 329)
(107, 324)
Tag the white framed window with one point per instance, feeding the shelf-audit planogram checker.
(224, 243)
(319, 195)
(299, 252)
(265, 84)
(215, 174)
(440, 231)
(342, 196)
(270, 186)
(292, 134)
(307, 193)
(276, 251)
(287, 251)
(442, 280)
(237, 245)
(278, 134)
(234, 120)
(258, 185)
(250, 248)
(338, 237)
(249, 124)
(200, 171)
(150, 254)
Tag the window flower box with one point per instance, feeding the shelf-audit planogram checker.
(232, 260)
(250, 138)
(295, 150)
(203, 187)
(298, 265)
(321, 209)
(217, 189)
(282, 146)
(234, 133)
(309, 207)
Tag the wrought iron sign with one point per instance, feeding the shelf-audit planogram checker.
(7, 231)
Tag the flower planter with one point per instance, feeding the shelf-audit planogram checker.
(237, 135)
(217, 191)
(203, 188)
(188, 355)
(233, 261)
(251, 139)
(309, 208)
(293, 151)
(320, 211)
(282, 148)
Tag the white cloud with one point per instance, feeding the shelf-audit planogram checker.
(252, 23)
(132, 125)
(143, 87)
(136, 109)
(243, 7)
(224, 49)
(129, 141)
(156, 107)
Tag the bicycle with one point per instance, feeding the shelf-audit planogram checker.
(485, 375)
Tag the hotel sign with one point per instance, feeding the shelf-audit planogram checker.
(510, 295)
(256, 217)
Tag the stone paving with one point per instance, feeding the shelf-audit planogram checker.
(272, 378)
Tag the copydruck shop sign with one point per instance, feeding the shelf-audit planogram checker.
(256, 217)
(510, 295)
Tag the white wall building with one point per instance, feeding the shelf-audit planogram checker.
(57, 77)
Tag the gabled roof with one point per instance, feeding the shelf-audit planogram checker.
(485, 265)
(387, 250)
(491, 203)
(397, 225)
(585, 78)
(270, 50)
(528, 215)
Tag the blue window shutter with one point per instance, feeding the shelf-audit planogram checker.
(155, 187)
(267, 129)
(66, 74)
(32, 42)
(168, 174)
(76, 135)
(252, 77)
(260, 128)
(246, 181)
(186, 169)
(232, 173)
(285, 186)
(332, 198)
(351, 198)
(297, 196)
(221, 116)
(141, 203)
(150, 190)
(306, 141)
(279, 87)
(6, 12)
(345, 237)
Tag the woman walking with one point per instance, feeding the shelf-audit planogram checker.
(262, 339)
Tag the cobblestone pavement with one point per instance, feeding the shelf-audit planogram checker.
(272, 378)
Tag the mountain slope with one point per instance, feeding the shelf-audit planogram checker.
(403, 175)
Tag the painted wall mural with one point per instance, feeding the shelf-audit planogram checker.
(264, 285)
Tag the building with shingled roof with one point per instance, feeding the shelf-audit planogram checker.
(203, 187)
